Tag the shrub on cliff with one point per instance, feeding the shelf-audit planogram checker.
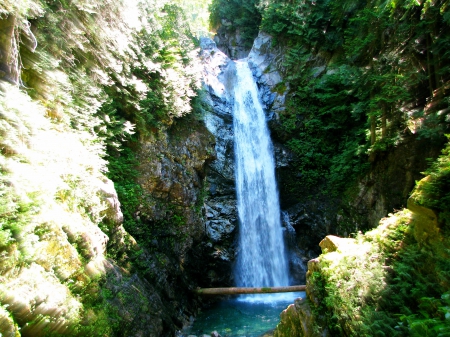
(241, 15)
(394, 280)
(363, 76)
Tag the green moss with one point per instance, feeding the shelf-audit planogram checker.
(389, 274)
(280, 88)
(434, 191)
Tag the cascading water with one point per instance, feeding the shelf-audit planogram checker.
(262, 258)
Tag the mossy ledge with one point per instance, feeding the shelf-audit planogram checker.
(390, 281)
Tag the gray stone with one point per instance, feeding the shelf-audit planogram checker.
(318, 71)
(230, 42)
(283, 157)
(217, 229)
(265, 62)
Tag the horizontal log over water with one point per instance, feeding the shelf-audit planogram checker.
(248, 290)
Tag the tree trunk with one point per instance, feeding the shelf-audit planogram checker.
(373, 129)
(430, 73)
(8, 52)
(243, 290)
(383, 122)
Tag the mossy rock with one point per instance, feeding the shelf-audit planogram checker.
(333, 243)
(297, 320)
(425, 220)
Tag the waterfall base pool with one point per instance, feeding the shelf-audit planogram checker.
(239, 318)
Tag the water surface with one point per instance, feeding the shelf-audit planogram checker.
(237, 317)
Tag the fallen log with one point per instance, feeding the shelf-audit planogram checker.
(248, 290)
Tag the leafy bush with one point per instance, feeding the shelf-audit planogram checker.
(434, 192)
(326, 131)
(363, 76)
(399, 284)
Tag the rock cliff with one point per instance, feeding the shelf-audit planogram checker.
(218, 103)
(385, 187)
(220, 202)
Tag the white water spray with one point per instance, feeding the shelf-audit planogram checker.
(262, 258)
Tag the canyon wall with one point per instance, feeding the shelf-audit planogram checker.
(383, 188)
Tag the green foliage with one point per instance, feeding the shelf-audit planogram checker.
(301, 22)
(243, 15)
(325, 130)
(434, 192)
(161, 81)
(144, 71)
(122, 170)
(362, 77)
(15, 212)
(388, 284)
(197, 14)
(432, 318)
(100, 316)
(105, 74)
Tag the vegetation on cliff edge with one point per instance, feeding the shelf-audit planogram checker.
(86, 79)
(394, 280)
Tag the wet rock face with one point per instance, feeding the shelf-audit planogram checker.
(229, 41)
(388, 185)
(309, 219)
(304, 228)
(220, 202)
(172, 173)
(172, 165)
(266, 64)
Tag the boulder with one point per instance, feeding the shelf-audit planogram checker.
(425, 220)
(333, 243)
(296, 321)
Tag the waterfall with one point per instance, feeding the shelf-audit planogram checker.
(262, 260)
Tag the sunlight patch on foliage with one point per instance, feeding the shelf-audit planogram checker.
(50, 178)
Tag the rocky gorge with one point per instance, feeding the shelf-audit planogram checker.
(118, 186)
(385, 187)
